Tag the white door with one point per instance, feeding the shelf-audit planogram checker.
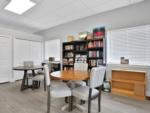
(5, 59)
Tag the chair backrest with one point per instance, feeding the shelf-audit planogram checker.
(47, 75)
(28, 63)
(97, 76)
(80, 66)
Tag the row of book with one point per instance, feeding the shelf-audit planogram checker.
(95, 44)
(68, 61)
(69, 54)
(69, 47)
(95, 54)
(94, 63)
(80, 58)
(81, 47)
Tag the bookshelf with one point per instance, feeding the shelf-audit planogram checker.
(91, 50)
(129, 83)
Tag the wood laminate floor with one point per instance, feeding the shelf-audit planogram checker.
(28, 101)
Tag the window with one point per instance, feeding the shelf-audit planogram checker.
(132, 43)
(52, 49)
(25, 50)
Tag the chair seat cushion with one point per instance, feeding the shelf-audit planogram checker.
(38, 77)
(57, 83)
(60, 90)
(82, 92)
(80, 83)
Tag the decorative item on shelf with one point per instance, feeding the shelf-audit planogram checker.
(70, 38)
(124, 61)
(83, 35)
(90, 45)
(99, 33)
(90, 36)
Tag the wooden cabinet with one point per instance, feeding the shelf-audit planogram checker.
(128, 83)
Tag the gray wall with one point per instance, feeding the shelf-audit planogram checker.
(134, 15)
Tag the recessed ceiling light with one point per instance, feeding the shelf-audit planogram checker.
(19, 6)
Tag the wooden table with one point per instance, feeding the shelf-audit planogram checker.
(68, 75)
(26, 69)
(71, 75)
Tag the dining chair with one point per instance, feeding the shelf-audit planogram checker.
(58, 90)
(29, 73)
(88, 93)
(38, 78)
(80, 67)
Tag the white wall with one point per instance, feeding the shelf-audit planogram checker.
(129, 16)
(13, 34)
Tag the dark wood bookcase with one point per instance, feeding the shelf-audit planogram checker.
(92, 51)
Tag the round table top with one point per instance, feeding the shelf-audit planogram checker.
(70, 75)
(21, 68)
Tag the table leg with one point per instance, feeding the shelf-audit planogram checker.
(33, 72)
(23, 81)
(44, 83)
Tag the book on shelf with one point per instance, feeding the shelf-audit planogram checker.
(95, 54)
(69, 54)
(81, 58)
(81, 47)
(95, 44)
(69, 47)
(68, 61)
(94, 63)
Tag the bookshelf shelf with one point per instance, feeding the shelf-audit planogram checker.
(96, 48)
(68, 50)
(81, 51)
(95, 58)
(91, 40)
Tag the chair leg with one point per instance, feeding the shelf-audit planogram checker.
(70, 103)
(89, 101)
(48, 99)
(27, 81)
(44, 84)
(66, 99)
(39, 83)
(99, 99)
(33, 85)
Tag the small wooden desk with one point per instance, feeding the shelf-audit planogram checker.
(68, 75)
(25, 69)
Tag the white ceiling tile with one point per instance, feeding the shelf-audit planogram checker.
(92, 3)
(49, 13)
(107, 6)
(74, 8)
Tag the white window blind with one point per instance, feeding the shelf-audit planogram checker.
(25, 50)
(53, 49)
(132, 43)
